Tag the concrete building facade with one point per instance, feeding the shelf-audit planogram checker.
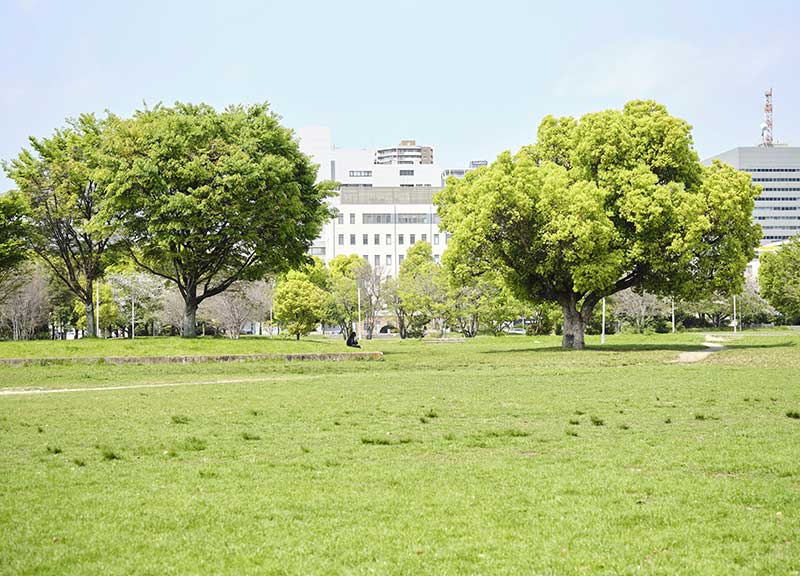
(382, 208)
(407, 152)
(777, 170)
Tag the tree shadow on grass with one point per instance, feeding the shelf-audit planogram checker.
(654, 347)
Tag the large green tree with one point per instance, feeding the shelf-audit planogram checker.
(779, 279)
(618, 199)
(210, 198)
(299, 304)
(343, 274)
(12, 238)
(63, 181)
(421, 291)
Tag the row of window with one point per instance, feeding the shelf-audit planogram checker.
(772, 169)
(778, 199)
(781, 189)
(776, 179)
(774, 217)
(776, 237)
(401, 239)
(360, 173)
(376, 259)
(779, 208)
(780, 227)
(389, 218)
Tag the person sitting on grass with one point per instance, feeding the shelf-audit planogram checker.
(351, 340)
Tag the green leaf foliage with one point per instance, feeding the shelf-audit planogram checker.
(12, 232)
(343, 277)
(421, 290)
(210, 197)
(779, 278)
(615, 200)
(300, 305)
(63, 180)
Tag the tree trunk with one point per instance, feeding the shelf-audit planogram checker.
(190, 304)
(90, 321)
(298, 336)
(575, 322)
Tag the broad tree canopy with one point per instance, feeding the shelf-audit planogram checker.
(779, 276)
(211, 198)
(63, 182)
(12, 232)
(618, 199)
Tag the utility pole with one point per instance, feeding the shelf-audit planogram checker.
(133, 313)
(603, 330)
(673, 315)
(358, 291)
(97, 309)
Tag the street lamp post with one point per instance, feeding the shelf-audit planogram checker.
(358, 291)
(133, 313)
(603, 329)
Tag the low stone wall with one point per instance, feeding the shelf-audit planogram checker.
(303, 356)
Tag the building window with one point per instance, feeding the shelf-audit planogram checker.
(412, 239)
(377, 239)
(365, 239)
(388, 259)
(317, 251)
(340, 218)
(400, 239)
(352, 239)
(341, 239)
(424, 237)
(412, 218)
(435, 239)
(360, 173)
(436, 258)
(388, 239)
(400, 259)
(406, 185)
(352, 218)
(406, 172)
(377, 260)
(366, 258)
(376, 218)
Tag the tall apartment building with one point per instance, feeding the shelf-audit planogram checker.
(777, 170)
(407, 152)
(382, 208)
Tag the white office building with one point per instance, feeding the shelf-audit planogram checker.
(777, 170)
(384, 202)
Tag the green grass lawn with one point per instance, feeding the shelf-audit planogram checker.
(163, 346)
(495, 456)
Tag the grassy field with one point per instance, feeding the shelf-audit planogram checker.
(493, 456)
(162, 346)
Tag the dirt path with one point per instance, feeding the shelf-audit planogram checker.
(32, 391)
(713, 343)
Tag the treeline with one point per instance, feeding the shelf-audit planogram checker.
(425, 299)
(200, 199)
(184, 208)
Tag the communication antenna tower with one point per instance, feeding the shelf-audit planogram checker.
(766, 127)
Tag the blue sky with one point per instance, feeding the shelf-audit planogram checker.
(470, 78)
